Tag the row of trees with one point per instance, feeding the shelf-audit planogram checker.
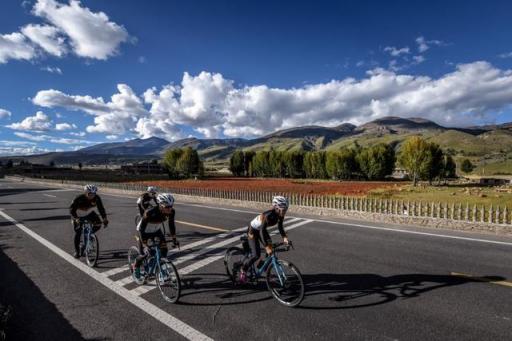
(183, 163)
(421, 159)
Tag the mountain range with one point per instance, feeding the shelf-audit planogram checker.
(489, 141)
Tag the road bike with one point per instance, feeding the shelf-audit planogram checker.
(283, 279)
(155, 266)
(89, 244)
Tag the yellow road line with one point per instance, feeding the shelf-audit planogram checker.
(203, 226)
(482, 279)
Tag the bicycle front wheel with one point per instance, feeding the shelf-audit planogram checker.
(92, 250)
(233, 261)
(285, 283)
(168, 281)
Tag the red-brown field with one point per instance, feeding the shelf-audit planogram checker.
(276, 185)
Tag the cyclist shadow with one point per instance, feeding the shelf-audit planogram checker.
(349, 291)
(221, 287)
(111, 256)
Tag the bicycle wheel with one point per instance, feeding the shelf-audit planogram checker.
(92, 250)
(285, 283)
(233, 261)
(133, 253)
(168, 281)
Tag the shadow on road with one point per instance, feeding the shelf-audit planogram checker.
(53, 217)
(34, 317)
(349, 291)
(15, 191)
(27, 203)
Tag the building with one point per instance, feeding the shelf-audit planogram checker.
(490, 180)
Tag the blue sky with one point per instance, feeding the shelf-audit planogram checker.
(82, 72)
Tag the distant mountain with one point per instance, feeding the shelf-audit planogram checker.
(477, 141)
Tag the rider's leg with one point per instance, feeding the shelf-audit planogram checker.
(254, 245)
(163, 243)
(76, 240)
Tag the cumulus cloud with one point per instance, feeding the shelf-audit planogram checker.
(213, 106)
(68, 27)
(4, 113)
(65, 126)
(16, 150)
(15, 46)
(47, 37)
(395, 52)
(92, 35)
(114, 117)
(505, 55)
(39, 122)
(79, 134)
(112, 137)
(424, 45)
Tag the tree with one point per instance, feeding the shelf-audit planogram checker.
(80, 166)
(170, 161)
(341, 164)
(248, 156)
(314, 165)
(413, 156)
(188, 163)
(376, 162)
(260, 164)
(52, 163)
(237, 164)
(294, 164)
(433, 166)
(467, 166)
(277, 165)
(450, 168)
(9, 164)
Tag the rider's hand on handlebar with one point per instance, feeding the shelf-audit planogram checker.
(268, 249)
(105, 223)
(285, 241)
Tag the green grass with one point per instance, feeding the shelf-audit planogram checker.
(447, 194)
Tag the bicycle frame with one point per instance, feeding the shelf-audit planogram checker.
(258, 271)
(86, 225)
(150, 270)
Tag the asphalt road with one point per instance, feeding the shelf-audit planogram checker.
(364, 281)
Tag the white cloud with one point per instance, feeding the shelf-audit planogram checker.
(4, 113)
(48, 138)
(79, 134)
(47, 37)
(214, 106)
(92, 35)
(65, 126)
(141, 59)
(112, 137)
(52, 69)
(114, 117)
(424, 45)
(39, 122)
(418, 59)
(15, 46)
(395, 52)
(6, 150)
(505, 55)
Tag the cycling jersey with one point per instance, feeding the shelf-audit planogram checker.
(145, 201)
(153, 215)
(264, 220)
(82, 206)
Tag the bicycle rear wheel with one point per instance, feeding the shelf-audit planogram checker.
(285, 283)
(92, 250)
(168, 281)
(233, 261)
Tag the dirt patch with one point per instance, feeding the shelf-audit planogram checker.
(277, 185)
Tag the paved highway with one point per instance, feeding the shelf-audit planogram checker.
(364, 281)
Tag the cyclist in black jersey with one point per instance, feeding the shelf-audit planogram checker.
(257, 231)
(84, 206)
(156, 215)
(146, 200)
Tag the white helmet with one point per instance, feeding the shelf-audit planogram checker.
(151, 189)
(280, 202)
(90, 189)
(165, 199)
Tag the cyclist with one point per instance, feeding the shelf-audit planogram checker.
(83, 206)
(156, 215)
(257, 231)
(146, 200)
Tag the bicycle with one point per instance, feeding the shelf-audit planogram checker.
(283, 279)
(155, 266)
(89, 244)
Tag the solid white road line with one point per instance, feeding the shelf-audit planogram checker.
(115, 271)
(170, 321)
(49, 195)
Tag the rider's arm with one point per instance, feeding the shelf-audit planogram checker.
(141, 226)
(172, 224)
(281, 227)
(101, 208)
(265, 235)
(73, 207)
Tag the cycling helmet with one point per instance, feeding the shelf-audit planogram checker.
(90, 189)
(280, 202)
(151, 189)
(165, 199)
